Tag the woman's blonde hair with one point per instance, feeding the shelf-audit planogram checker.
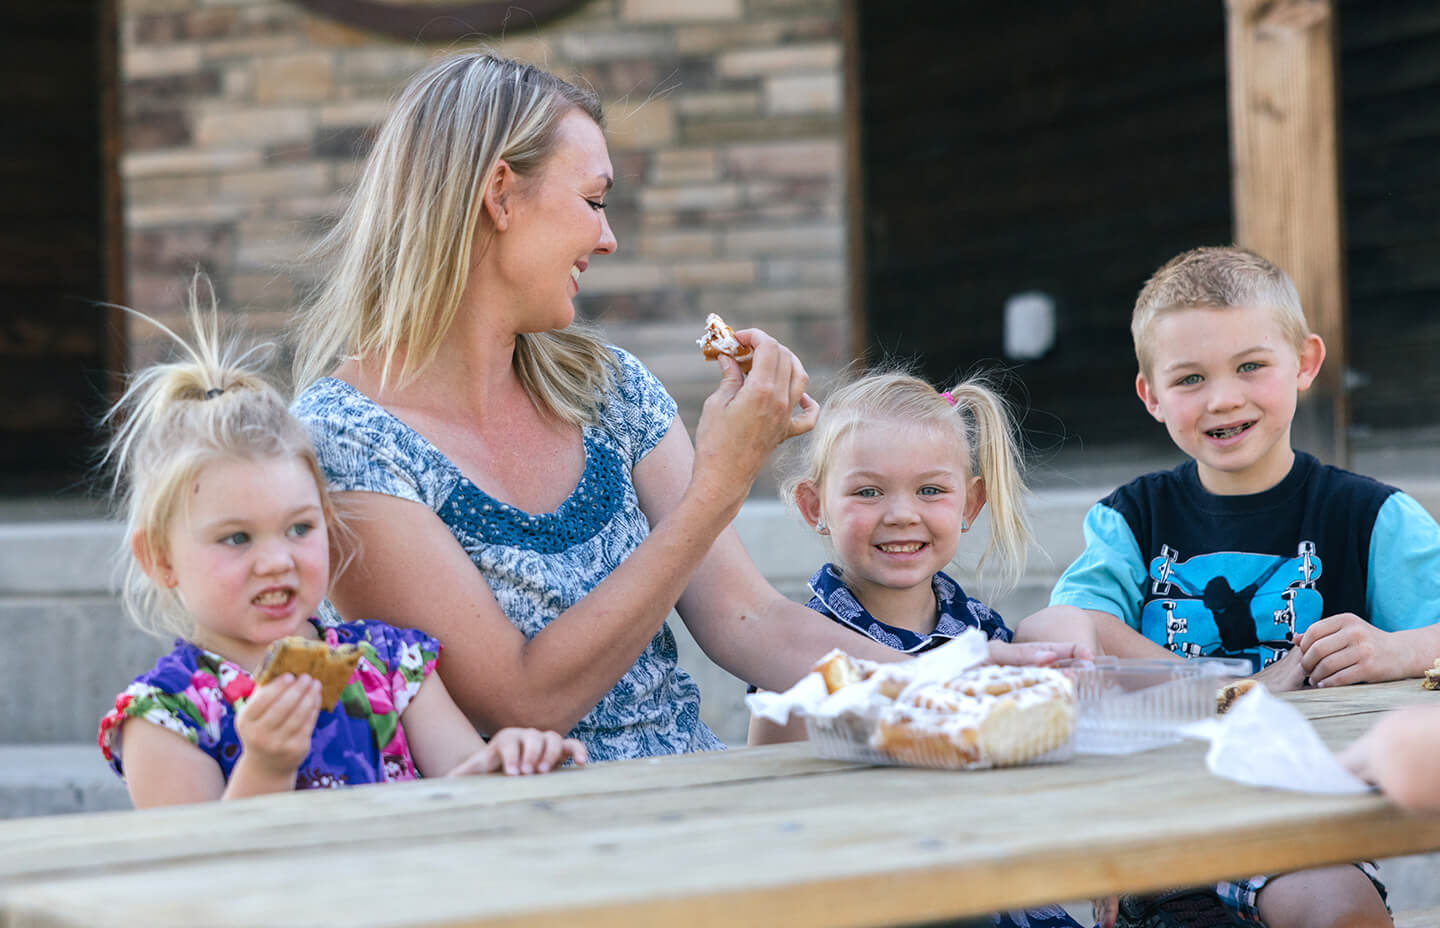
(400, 254)
(972, 411)
(173, 419)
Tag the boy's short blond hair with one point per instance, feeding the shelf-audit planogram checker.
(1217, 277)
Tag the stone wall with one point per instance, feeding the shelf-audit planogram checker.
(244, 120)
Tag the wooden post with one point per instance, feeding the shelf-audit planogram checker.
(1283, 130)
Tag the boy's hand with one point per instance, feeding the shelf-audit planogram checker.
(1286, 674)
(277, 722)
(1345, 648)
(522, 750)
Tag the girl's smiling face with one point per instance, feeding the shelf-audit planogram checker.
(893, 500)
(248, 554)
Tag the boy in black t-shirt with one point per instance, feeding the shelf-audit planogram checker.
(1250, 549)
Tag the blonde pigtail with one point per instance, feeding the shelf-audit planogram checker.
(993, 439)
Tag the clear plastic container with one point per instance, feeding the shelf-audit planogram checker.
(1128, 705)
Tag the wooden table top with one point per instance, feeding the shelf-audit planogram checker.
(750, 836)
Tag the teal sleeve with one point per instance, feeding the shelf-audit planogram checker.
(1109, 575)
(1404, 582)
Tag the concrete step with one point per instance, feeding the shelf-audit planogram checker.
(51, 779)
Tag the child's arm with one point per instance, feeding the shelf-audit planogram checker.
(1402, 603)
(444, 743)
(164, 769)
(1401, 755)
(764, 731)
(1099, 631)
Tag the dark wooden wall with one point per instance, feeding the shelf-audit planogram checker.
(54, 347)
(1073, 148)
(1039, 145)
(1390, 172)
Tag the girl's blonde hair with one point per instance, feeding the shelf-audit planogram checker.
(175, 418)
(973, 412)
(400, 254)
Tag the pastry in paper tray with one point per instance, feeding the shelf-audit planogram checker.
(986, 716)
(939, 710)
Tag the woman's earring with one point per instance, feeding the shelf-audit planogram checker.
(822, 528)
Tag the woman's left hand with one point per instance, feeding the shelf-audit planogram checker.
(1037, 652)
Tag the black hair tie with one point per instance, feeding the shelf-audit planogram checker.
(213, 392)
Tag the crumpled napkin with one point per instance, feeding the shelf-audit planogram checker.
(810, 697)
(1265, 741)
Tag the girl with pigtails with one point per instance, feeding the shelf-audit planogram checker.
(894, 474)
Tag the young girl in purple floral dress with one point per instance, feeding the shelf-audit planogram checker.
(229, 529)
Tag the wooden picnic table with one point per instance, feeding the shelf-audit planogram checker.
(749, 836)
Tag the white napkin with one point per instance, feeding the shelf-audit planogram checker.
(1265, 741)
(810, 696)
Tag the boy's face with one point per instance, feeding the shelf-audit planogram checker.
(1225, 381)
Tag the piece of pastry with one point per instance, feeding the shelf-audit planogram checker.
(986, 717)
(719, 339)
(1230, 692)
(1432, 677)
(333, 667)
(839, 669)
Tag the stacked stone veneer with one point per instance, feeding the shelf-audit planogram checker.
(244, 121)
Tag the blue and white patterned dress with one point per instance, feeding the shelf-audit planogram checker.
(537, 565)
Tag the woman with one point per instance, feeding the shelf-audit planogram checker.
(450, 310)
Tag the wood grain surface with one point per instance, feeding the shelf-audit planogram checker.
(750, 836)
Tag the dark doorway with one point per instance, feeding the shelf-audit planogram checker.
(1058, 149)
(58, 239)
(1390, 170)
(1069, 149)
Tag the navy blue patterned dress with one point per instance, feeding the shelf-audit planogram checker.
(537, 565)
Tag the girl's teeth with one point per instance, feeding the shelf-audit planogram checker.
(575, 274)
(901, 549)
(273, 598)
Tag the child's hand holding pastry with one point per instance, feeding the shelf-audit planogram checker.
(275, 727)
(522, 750)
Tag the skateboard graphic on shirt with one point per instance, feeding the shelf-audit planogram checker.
(1232, 604)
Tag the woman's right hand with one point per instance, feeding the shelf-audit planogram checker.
(277, 722)
(747, 417)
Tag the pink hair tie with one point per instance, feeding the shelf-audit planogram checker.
(949, 397)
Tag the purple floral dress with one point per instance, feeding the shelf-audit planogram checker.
(196, 694)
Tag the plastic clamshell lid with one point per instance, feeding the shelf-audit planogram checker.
(1134, 704)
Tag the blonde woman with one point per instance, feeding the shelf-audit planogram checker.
(521, 490)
